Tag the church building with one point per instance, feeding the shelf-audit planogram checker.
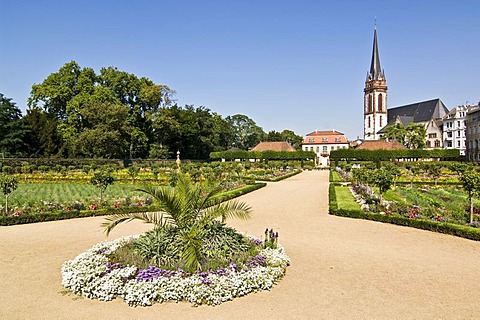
(377, 116)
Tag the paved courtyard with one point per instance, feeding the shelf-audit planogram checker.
(341, 268)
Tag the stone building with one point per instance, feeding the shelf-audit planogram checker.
(472, 138)
(454, 133)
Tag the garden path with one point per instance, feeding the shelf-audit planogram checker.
(341, 268)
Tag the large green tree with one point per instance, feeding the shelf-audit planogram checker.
(287, 136)
(411, 136)
(13, 128)
(247, 133)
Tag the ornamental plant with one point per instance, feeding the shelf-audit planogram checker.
(471, 183)
(8, 184)
(102, 179)
(187, 209)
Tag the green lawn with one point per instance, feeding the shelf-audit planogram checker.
(34, 194)
(345, 199)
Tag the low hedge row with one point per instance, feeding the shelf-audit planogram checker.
(266, 155)
(62, 215)
(282, 177)
(441, 227)
(379, 155)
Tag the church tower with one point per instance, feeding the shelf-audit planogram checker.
(375, 97)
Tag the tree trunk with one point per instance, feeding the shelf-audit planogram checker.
(6, 204)
(471, 209)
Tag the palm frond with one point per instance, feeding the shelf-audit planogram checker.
(157, 218)
(229, 209)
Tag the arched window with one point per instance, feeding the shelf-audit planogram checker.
(380, 102)
(369, 122)
(381, 121)
(370, 103)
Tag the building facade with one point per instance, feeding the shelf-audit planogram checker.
(472, 138)
(322, 143)
(375, 100)
(454, 129)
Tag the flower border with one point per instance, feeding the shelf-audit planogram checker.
(90, 274)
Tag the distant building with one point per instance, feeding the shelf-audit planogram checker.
(381, 145)
(454, 133)
(473, 134)
(377, 116)
(322, 142)
(273, 146)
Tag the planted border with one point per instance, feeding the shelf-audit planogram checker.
(63, 215)
(441, 227)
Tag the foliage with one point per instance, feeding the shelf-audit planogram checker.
(91, 274)
(287, 136)
(102, 179)
(188, 208)
(383, 179)
(471, 183)
(384, 155)
(266, 155)
(8, 184)
(412, 135)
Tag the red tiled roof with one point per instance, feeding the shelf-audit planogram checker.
(325, 137)
(381, 144)
(273, 146)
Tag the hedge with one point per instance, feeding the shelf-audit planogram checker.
(265, 155)
(62, 215)
(282, 177)
(379, 155)
(441, 227)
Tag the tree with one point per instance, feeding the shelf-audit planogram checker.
(435, 170)
(43, 139)
(247, 133)
(471, 183)
(287, 136)
(8, 184)
(188, 208)
(13, 129)
(383, 179)
(411, 136)
(101, 180)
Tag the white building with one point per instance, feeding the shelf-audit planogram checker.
(322, 143)
(473, 134)
(454, 125)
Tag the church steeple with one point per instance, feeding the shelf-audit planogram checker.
(375, 100)
(376, 72)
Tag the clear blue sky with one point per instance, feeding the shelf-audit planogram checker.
(297, 65)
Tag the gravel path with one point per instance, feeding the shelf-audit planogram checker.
(341, 268)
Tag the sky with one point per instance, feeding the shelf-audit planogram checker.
(297, 65)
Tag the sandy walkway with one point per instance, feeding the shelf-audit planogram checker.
(341, 268)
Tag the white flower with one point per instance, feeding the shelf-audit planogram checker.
(88, 275)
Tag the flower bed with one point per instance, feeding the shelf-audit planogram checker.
(92, 275)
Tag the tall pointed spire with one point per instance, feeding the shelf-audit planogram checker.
(376, 72)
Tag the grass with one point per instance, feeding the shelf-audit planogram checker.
(345, 199)
(34, 194)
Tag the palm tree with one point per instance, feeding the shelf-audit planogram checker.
(188, 208)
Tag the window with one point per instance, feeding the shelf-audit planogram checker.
(458, 133)
(449, 144)
(332, 148)
(458, 124)
(437, 143)
(338, 140)
(449, 134)
(370, 104)
(311, 140)
(369, 122)
(428, 144)
(432, 135)
(380, 102)
(381, 121)
(458, 143)
(324, 139)
(324, 149)
(318, 149)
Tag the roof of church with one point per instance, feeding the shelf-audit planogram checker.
(381, 145)
(273, 146)
(418, 112)
(376, 71)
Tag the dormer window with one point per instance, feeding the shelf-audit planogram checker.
(311, 140)
(338, 140)
(324, 139)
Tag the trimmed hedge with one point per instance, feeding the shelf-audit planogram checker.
(282, 177)
(384, 155)
(32, 218)
(265, 155)
(441, 227)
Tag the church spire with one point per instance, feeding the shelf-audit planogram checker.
(376, 72)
